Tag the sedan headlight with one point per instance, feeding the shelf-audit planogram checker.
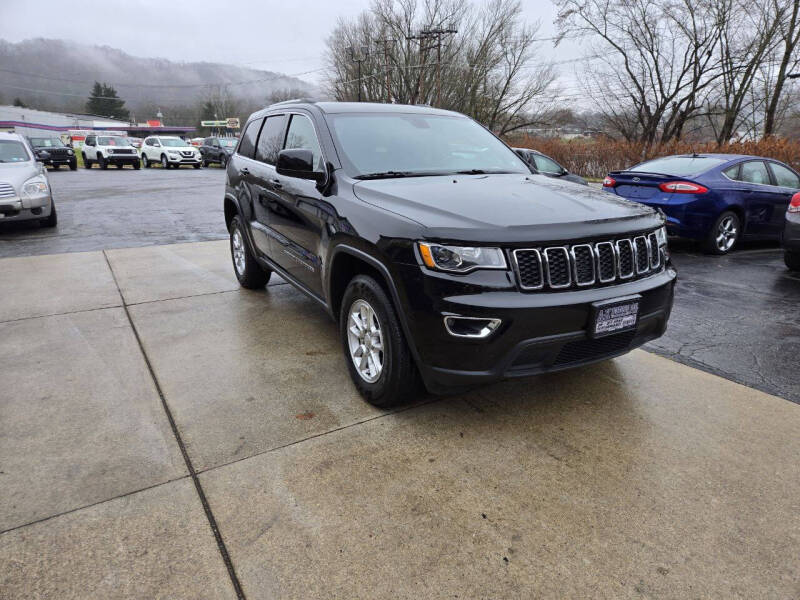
(460, 259)
(35, 187)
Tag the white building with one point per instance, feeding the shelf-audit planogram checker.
(27, 121)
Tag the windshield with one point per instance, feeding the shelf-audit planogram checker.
(679, 165)
(173, 142)
(112, 141)
(398, 144)
(48, 142)
(13, 151)
(227, 143)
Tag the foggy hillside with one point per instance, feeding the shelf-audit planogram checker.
(71, 68)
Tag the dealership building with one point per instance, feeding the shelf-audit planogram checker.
(30, 122)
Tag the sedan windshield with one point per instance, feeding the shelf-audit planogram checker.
(47, 142)
(683, 166)
(173, 142)
(112, 141)
(402, 145)
(12, 151)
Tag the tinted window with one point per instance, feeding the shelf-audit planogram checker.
(270, 140)
(732, 172)
(301, 134)
(421, 143)
(546, 165)
(754, 171)
(47, 142)
(89, 141)
(679, 165)
(247, 147)
(112, 141)
(784, 177)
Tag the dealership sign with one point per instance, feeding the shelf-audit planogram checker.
(231, 123)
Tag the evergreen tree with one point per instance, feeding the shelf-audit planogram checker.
(20, 103)
(103, 101)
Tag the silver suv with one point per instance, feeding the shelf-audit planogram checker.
(25, 193)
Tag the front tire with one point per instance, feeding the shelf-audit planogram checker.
(377, 355)
(223, 162)
(52, 220)
(101, 160)
(792, 260)
(73, 165)
(86, 162)
(56, 167)
(249, 273)
(725, 233)
(164, 162)
(137, 164)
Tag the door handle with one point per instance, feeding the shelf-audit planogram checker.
(245, 171)
(277, 183)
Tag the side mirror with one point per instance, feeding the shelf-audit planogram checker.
(299, 163)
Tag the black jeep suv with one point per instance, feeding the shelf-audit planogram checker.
(439, 253)
(51, 151)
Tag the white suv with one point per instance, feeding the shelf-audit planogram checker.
(109, 150)
(170, 152)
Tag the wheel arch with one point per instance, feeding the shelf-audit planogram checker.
(346, 262)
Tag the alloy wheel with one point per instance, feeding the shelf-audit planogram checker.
(365, 340)
(239, 262)
(727, 232)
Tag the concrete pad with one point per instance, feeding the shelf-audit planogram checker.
(174, 271)
(80, 419)
(153, 544)
(33, 286)
(244, 372)
(632, 478)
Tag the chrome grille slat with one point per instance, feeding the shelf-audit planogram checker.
(586, 264)
(7, 190)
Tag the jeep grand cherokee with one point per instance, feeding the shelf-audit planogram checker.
(443, 258)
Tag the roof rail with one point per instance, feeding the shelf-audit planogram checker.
(294, 101)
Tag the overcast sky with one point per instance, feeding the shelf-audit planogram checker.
(287, 37)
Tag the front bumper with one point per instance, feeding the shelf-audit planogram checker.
(184, 160)
(16, 209)
(791, 232)
(540, 332)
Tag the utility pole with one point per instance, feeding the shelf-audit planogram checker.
(358, 59)
(386, 43)
(428, 34)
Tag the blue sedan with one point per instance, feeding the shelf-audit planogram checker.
(717, 199)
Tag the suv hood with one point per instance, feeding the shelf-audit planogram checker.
(507, 208)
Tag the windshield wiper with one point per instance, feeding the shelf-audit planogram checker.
(393, 174)
(482, 172)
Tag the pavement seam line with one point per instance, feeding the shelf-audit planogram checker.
(93, 504)
(395, 411)
(223, 550)
(61, 314)
(197, 295)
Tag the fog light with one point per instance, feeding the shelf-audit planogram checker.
(471, 327)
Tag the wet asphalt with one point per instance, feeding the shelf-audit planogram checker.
(735, 316)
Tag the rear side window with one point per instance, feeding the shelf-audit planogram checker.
(784, 177)
(270, 140)
(301, 135)
(247, 147)
(754, 171)
(682, 166)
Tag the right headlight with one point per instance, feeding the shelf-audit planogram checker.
(460, 259)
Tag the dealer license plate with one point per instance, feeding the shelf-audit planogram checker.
(614, 316)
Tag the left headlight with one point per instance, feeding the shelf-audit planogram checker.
(460, 259)
(34, 187)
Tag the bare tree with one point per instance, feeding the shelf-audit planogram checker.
(652, 60)
(788, 17)
(487, 68)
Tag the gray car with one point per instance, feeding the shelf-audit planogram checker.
(791, 234)
(545, 165)
(25, 193)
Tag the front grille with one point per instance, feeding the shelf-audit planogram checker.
(187, 153)
(582, 350)
(7, 190)
(586, 264)
(122, 151)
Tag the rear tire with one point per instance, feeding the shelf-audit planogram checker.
(52, 220)
(792, 260)
(120, 165)
(56, 167)
(377, 354)
(725, 234)
(249, 273)
(196, 166)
